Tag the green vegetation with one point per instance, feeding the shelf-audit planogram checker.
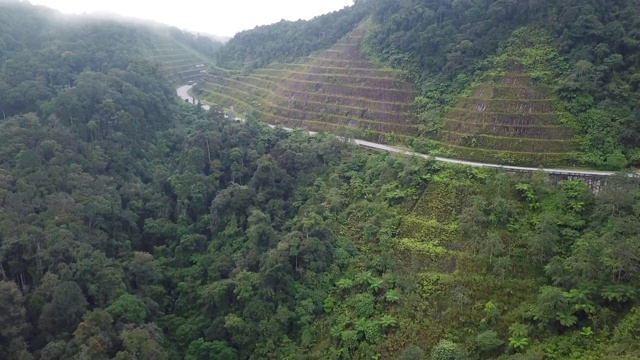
(134, 226)
(287, 41)
(572, 63)
(584, 52)
(337, 90)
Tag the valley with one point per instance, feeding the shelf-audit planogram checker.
(411, 180)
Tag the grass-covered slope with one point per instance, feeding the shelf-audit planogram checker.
(508, 119)
(179, 62)
(587, 56)
(334, 89)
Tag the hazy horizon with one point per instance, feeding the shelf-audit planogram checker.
(224, 19)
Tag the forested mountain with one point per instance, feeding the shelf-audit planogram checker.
(290, 40)
(135, 226)
(550, 83)
(42, 46)
(586, 53)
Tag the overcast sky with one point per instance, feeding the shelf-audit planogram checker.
(218, 17)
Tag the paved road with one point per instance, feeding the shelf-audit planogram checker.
(184, 93)
(394, 149)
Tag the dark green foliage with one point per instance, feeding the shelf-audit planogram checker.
(128, 309)
(412, 353)
(12, 310)
(136, 227)
(488, 341)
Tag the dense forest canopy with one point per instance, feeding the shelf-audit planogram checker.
(135, 226)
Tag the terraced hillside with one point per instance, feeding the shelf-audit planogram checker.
(333, 90)
(508, 120)
(180, 63)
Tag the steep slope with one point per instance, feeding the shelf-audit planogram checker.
(288, 41)
(508, 119)
(583, 54)
(134, 226)
(335, 89)
(178, 62)
(183, 56)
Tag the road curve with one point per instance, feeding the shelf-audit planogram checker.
(184, 93)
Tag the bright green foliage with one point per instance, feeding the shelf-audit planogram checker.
(566, 319)
(619, 293)
(329, 304)
(519, 338)
(387, 321)
(345, 284)
(586, 331)
(128, 309)
(392, 296)
(491, 312)
(447, 350)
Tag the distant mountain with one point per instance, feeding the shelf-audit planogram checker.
(222, 39)
(289, 40)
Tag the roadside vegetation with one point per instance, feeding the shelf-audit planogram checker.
(135, 226)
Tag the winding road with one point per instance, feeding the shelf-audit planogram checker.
(184, 92)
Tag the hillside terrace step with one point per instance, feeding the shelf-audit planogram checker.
(530, 132)
(375, 110)
(503, 118)
(328, 113)
(320, 85)
(508, 143)
(277, 88)
(297, 123)
(509, 106)
(341, 76)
